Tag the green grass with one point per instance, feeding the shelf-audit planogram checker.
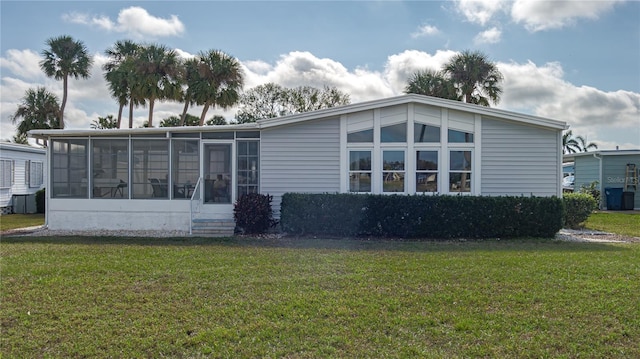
(624, 223)
(240, 298)
(13, 221)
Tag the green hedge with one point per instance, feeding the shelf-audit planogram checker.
(420, 216)
(578, 207)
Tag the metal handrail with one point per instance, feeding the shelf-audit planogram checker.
(195, 197)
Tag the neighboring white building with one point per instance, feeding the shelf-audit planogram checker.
(171, 178)
(22, 174)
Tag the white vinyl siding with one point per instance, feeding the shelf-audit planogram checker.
(302, 158)
(6, 173)
(519, 159)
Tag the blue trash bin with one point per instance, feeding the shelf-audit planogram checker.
(614, 198)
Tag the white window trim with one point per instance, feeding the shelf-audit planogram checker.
(382, 170)
(4, 163)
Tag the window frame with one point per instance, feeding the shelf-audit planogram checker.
(469, 172)
(368, 149)
(8, 173)
(404, 171)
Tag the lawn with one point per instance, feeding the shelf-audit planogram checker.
(624, 222)
(13, 221)
(313, 298)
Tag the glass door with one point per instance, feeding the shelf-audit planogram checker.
(218, 173)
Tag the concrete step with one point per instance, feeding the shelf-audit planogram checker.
(213, 227)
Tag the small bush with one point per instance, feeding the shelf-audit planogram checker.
(253, 213)
(592, 190)
(577, 208)
(40, 200)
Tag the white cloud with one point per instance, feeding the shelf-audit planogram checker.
(425, 30)
(480, 11)
(134, 21)
(545, 15)
(490, 36)
(23, 63)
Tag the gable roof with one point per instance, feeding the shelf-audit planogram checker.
(324, 113)
(413, 98)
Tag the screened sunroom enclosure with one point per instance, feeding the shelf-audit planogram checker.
(167, 166)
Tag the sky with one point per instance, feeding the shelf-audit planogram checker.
(572, 61)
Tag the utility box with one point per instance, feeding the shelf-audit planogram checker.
(24, 203)
(628, 199)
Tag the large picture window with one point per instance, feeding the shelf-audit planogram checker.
(110, 168)
(360, 171)
(426, 171)
(69, 168)
(150, 168)
(185, 167)
(248, 167)
(460, 171)
(393, 171)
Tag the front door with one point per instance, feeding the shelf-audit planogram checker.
(218, 173)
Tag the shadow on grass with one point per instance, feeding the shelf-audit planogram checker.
(355, 244)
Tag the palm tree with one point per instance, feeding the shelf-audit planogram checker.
(432, 83)
(576, 144)
(220, 83)
(476, 78)
(39, 109)
(65, 57)
(104, 123)
(120, 75)
(157, 68)
(188, 77)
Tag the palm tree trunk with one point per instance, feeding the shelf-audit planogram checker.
(184, 112)
(64, 100)
(131, 114)
(120, 114)
(151, 103)
(204, 113)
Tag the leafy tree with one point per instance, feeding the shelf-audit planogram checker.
(39, 109)
(432, 83)
(157, 72)
(104, 123)
(220, 81)
(175, 121)
(20, 138)
(272, 100)
(120, 74)
(475, 77)
(65, 57)
(216, 120)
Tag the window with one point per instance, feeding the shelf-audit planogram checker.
(426, 171)
(460, 137)
(150, 168)
(394, 133)
(248, 167)
(69, 168)
(27, 172)
(360, 136)
(393, 171)
(360, 171)
(185, 167)
(6, 173)
(425, 133)
(460, 171)
(110, 168)
(35, 171)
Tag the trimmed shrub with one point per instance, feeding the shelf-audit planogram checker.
(418, 216)
(577, 208)
(253, 213)
(40, 200)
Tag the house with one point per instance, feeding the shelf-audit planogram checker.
(179, 178)
(22, 174)
(615, 170)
